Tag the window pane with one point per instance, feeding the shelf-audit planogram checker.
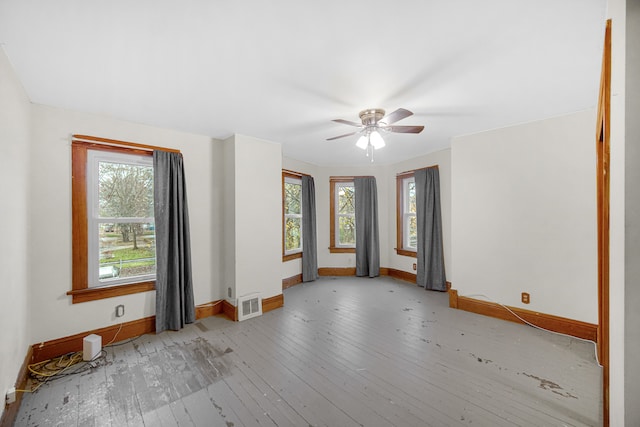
(412, 196)
(346, 200)
(125, 190)
(293, 228)
(413, 232)
(292, 197)
(126, 250)
(347, 230)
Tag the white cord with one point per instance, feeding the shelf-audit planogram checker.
(539, 327)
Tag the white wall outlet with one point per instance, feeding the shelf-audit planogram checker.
(120, 310)
(11, 395)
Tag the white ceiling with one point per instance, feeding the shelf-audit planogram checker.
(282, 69)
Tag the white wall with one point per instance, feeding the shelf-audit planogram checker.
(52, 314)
(443, 160)
(258, 216)
(14, 227)
(524, 215)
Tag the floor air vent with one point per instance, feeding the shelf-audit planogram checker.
(249, 306)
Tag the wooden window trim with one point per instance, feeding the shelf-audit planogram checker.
(295, 175)
(80, 291)
(603, 159)
(332, 216)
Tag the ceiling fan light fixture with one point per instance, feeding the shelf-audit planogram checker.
(376, 140)
(363, 142)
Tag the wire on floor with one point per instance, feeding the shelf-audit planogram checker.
(540, 327)
(60, 367)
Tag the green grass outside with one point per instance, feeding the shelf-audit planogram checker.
(127, 254)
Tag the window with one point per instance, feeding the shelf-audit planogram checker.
(113, 224)
(343, 215)
(292, 216)
(121, 229)
(407, 226)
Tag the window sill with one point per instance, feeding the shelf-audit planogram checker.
(405, 252)
(289, 257)
(335, 250)
(92, 294)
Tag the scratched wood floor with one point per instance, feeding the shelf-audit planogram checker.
(342, 352)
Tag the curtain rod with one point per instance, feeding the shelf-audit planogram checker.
(115, 142)
(412, 171)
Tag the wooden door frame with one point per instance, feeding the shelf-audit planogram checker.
(603, 132)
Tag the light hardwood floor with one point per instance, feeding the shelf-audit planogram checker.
(341, 352)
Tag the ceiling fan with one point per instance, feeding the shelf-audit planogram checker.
(373, 121)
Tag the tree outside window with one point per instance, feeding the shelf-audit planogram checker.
(410, 232)
(346, 214)
(342, 238)
(407, 224)
(292, 215)
(120, 218)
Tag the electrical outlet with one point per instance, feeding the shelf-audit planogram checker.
(525, 298)
(11, 395)
(120, 310)
(415, 266)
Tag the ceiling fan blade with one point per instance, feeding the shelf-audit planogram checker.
(404, 129)
(342, 136)
(347, 122)
(399, 114)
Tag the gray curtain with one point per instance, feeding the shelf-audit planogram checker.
(430, 268)
(174, 288)
(367, 239)
(309, 239)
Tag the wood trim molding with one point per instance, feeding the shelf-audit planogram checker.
(453, 298)
(553, 323)
(230, 310)
(80, 290)
(272, 303)
(209, 309)
(11, 409)
(268, 304)
(53, 348)
(147, 325)
(402, 275)
(603, 148)
(336, 250)
(404, 252)
(291, 281)
(91, 294)
(115, 142)
(290, 257)
(337, 271)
